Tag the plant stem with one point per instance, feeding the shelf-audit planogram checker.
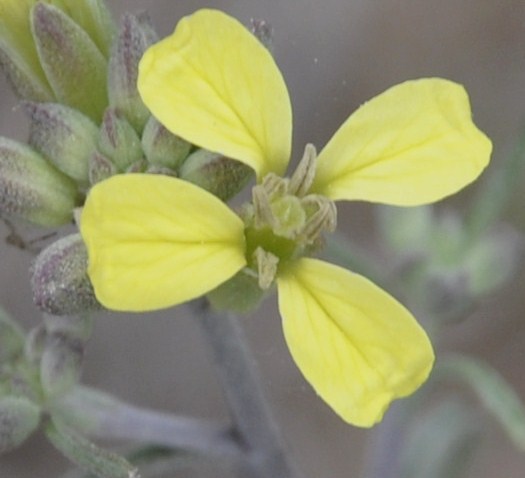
(253, 421)
(101, 415)
(387, 440)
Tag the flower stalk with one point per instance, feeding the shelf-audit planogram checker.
(253, 421)
(100, 415)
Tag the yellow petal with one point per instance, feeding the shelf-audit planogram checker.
(357, 346)
(155, 241)
(413, 144)
(216, 86)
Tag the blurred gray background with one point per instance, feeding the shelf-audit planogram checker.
(334, 55)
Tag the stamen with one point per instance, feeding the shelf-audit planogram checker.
(266, 267)
(275, 186)
(263, 214)
(303, 176)
(323, 220)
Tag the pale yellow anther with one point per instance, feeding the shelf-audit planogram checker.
(266, 267)
(262, 210)
(304, 175)
(275, 185)
(323, 220)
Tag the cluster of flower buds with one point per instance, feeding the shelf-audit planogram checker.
(446, 267)
(76, 74)
(36, 369)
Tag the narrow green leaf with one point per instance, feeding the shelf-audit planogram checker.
(495, 393)
(102, 463)
(441, 443)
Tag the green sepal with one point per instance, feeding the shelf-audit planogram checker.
(118, 141)
(135, 35)
(59, 278)
(240, 294)
(74, 66)
(221, 176)
(162, 148)
(94, 17)
(100, 168)
(33, 189)
(66, 137)
(28, 82)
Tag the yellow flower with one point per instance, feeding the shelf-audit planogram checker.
(158, 241)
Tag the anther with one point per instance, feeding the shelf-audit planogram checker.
(303, 176)
(266, 267)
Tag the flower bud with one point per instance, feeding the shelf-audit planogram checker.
(11, 338)
(18, 56)
(100, 168)
(74, 66)
(33, 189)
(65, 136)
(26, 81)
(94, 17)
(492, 260)
(163, 148)
(140, 166)
(59, 278)
(136, 34)
(221, 176)
(118, 141)
(61, 364)
(35, 343)
(78, 326)
(19, 417)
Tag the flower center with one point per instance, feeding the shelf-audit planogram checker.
(284, 222)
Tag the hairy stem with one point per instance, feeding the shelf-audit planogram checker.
(386, 444)
(253, 421)
(101, 415)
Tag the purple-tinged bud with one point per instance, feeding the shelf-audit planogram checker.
(27, 81)
(140, 166)
(74, 66)
(100, 168)
(18, 57)
(118, 141)
(161, 147)
(64, 136)
(135, 35)
(94, 17)
(19, 418)
(61, 364)
(33, 189)
(222, 176)
(59, 278)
